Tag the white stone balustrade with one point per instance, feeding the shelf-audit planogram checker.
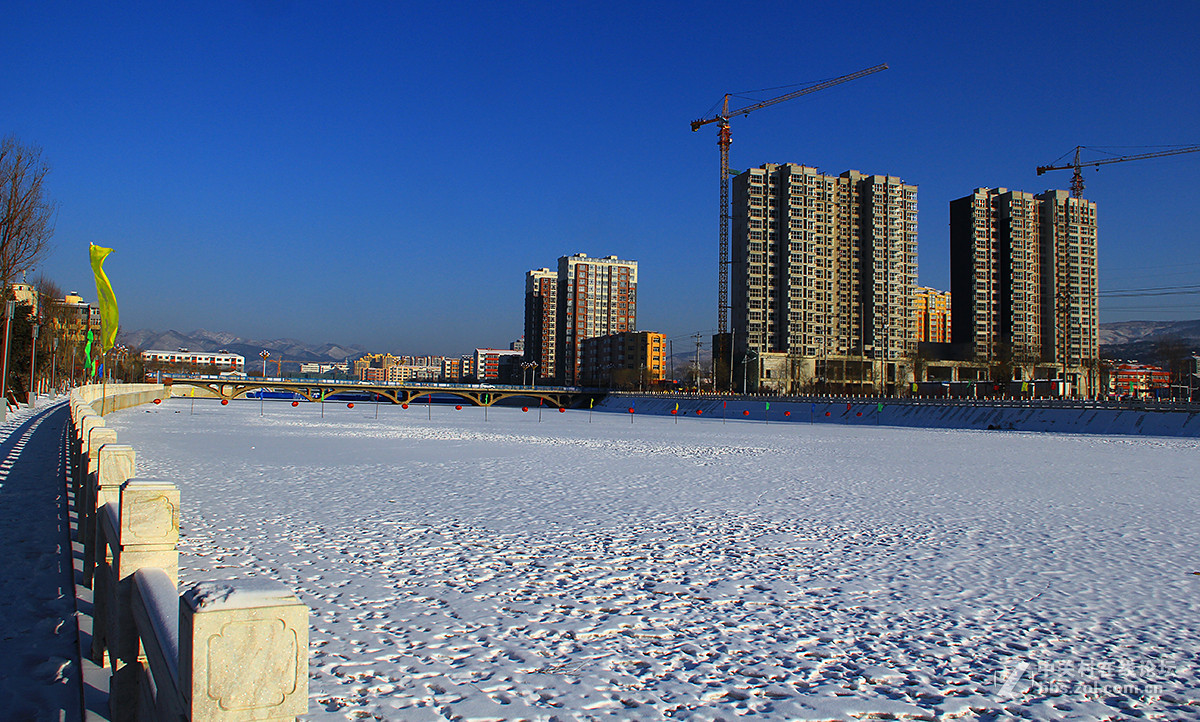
(224, 651)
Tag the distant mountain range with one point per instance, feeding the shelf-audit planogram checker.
(288, 349)
(1149, 341)
(1123, 332)
(1123, 339)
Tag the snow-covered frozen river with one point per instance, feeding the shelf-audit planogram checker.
(594, 566)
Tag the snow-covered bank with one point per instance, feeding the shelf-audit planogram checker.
(593, 565)
(978, 415)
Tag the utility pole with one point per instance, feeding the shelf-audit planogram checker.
(698, 344)
(671, 347)
(732, 338)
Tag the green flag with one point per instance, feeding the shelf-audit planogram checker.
(106, 299)
(89, 363)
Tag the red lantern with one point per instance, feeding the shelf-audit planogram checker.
(827, 413)
(458, 407)
(562, 410)
(404, 406)
(859, 414)
(787, 413)
(224, 402)
(699, 412)
(157, 402)
(745, 413)
(350, 405)
(295, 403)
(524, 409)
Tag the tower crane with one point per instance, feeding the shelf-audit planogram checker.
(723, 138)
(1077, 164)
(1063, 295)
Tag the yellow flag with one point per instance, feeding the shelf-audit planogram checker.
(106, 299)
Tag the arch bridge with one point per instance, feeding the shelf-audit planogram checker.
(225, 387)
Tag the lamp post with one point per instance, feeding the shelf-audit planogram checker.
(54, 363)
(122, 353)
(265, 355)
(8, 314)
(529, 367)
(32, 364)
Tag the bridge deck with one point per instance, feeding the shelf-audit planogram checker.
(226, 387)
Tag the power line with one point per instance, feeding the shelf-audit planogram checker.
(1184, 290)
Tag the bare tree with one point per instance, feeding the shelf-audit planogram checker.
(26, 213)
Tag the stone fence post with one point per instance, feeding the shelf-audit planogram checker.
(149, 531)
(243, 651)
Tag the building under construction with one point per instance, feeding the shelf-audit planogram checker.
(823, 270)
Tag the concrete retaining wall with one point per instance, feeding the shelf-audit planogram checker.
(940, 415)
(119, 396)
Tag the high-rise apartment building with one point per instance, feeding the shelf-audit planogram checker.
(585, 298)
(1070, 286)
(596, 297)
(541, 322)
(1023, 274)
(823, 265)
(933, 315)
(995, 273)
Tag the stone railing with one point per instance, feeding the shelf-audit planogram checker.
(221, 650)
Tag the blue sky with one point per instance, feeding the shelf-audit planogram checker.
(385, 173)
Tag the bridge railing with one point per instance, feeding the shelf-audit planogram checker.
(221, 650)
(368, 385)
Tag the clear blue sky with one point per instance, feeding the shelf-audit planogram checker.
(385, 173)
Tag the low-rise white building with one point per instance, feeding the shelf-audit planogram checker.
(223, 360)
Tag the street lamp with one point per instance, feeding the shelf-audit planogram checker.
(33, 364)
(264, 355)
(528, 367)
(745, 365)
(8, 314)
(119, 357)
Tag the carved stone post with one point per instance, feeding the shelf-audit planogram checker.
(116, 465)
(87, 422)
(149, 531)
(87, 501)
(243, 651)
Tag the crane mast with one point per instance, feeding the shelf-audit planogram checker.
(723, 141)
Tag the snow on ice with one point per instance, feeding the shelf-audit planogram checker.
(592, 566)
